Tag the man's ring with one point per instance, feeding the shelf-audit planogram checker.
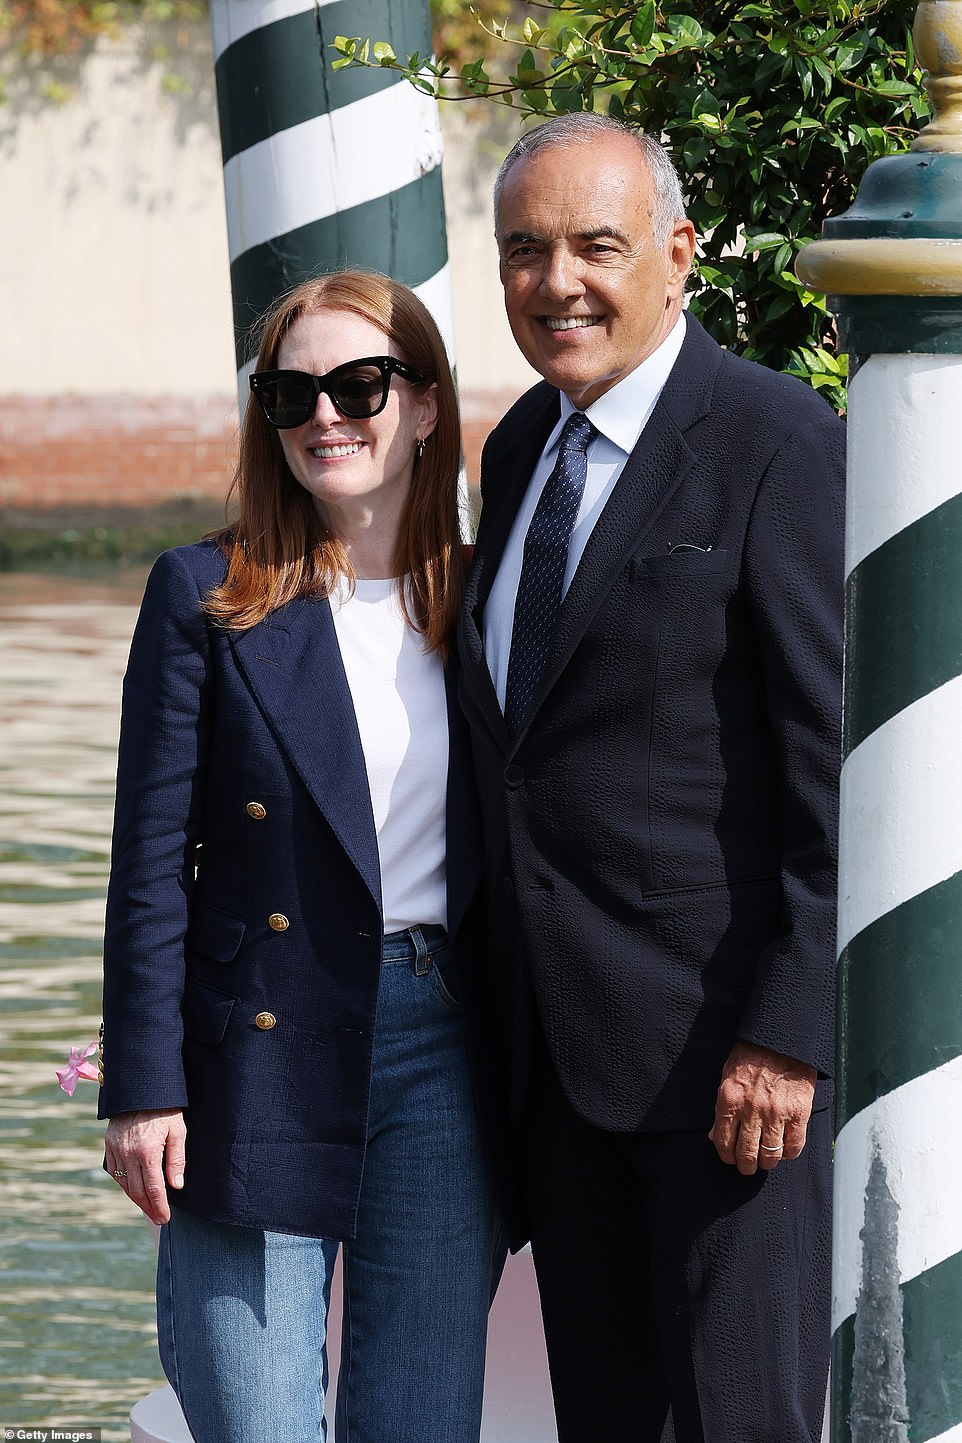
(779, 1148)
(120, 1172)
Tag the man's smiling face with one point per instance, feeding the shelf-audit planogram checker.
(588, 289)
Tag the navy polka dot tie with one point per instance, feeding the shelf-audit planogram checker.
(543, 568)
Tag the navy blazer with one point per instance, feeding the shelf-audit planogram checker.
(246, 995)
(660, 836)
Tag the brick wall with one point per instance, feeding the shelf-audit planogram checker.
(114, 451)
(79, 453)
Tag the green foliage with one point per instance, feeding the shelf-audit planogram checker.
(772, 109)
(463, 32)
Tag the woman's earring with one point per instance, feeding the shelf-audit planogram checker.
(418, 448)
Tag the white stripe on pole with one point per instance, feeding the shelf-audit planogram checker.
(230, 22)
(898, 435)
(343, 159)
(954, 1435)
(900, 808)
(916, 1125)
(437, 296)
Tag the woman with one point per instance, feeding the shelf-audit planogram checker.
(283, 1045)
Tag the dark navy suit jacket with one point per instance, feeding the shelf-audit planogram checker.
(283, 917)
(660, 836)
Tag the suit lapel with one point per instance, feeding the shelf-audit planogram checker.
(654, 471)
(463, 821)
(652, 474)
(509, 469)
(293, 665)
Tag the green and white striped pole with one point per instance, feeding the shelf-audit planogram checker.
(324, 169)
(892, 268)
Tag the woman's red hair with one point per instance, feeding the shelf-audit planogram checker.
(279, 548)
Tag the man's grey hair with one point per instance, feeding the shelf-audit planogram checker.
(584, 126)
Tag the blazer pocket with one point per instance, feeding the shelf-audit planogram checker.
(214, 933)
(685, 565)
(206, 1012)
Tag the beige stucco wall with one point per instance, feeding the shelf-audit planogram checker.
(114, 273)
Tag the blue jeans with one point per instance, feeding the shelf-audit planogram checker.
(242, 1314)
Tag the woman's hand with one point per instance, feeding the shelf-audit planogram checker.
(140, 1148)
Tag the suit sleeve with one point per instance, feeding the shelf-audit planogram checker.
(164, 746)
(794, 579)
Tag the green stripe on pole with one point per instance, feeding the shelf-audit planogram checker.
(903, 621)
(932, 1329)
(903, 972)
(898, 325)
(401, 235)
(297, 49)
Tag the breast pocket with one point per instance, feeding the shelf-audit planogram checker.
(683, 564)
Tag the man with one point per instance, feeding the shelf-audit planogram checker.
(657, 760)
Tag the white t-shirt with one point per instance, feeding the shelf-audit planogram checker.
(397, 686)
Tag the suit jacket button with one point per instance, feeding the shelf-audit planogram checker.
(278, 922)
(257, 810)
(265, 1021)
(514, 775)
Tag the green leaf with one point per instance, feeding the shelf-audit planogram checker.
(782, 256)
(695, 151)
(531, 32)
(711, 123)
(528, 73)
(778, 307)
(566, 96)
(819, 64)
(894, 87)
(685, 29)
(474, 79)
(384, 53)
(834, 108)
(705, 104)
(764, 241)
(643, 24)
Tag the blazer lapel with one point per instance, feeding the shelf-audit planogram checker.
(293, 665)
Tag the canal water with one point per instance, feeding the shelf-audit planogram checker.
(77, 1340)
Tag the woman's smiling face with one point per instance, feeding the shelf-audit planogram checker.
(353, 468)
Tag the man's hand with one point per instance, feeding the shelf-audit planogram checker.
(141, 1147)
(762, 1110)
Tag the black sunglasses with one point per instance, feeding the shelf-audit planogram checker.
(358, 389)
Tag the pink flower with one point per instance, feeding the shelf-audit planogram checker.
(77, 1067)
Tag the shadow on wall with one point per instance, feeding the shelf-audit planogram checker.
(30, 85)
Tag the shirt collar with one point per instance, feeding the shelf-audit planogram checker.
(622, 413)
